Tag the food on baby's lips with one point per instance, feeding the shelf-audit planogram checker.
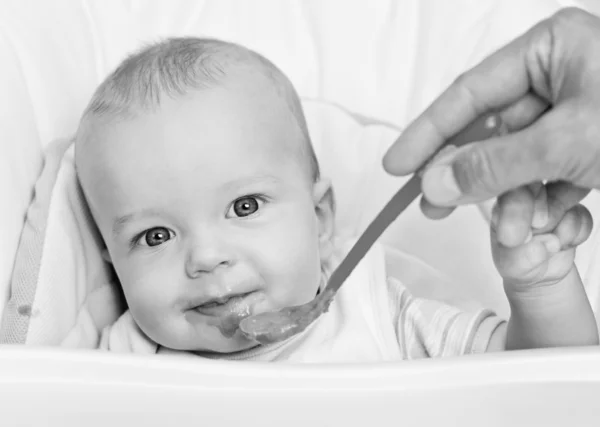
(227, 312)
(229, 324)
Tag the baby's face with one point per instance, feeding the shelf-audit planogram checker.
(209, 214)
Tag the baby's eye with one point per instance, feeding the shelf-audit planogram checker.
(154, 236)
(245, 206)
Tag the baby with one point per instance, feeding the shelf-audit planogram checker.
(196, 162)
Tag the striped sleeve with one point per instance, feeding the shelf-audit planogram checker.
(429, 329)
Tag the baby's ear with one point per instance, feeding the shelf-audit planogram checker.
(106, 256)
(324, 201)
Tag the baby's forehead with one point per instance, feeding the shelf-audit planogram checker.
(246, 96)
(131, 156)
(204, 123)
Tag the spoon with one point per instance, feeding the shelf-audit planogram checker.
(271, 327)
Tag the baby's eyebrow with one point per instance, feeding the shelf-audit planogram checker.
(120, 222)
(247, 181)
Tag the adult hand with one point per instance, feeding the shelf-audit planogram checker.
(546, 86)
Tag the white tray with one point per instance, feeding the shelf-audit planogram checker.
(53, 387)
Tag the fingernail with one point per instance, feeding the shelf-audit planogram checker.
(444, 187)
(552, 246)
(540, 218)
(540, 213)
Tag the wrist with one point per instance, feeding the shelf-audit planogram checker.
(553, 315)
(534, 291)
(553, 288)
(544, 298)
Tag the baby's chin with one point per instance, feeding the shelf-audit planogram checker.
(212, 342)
(227, 346)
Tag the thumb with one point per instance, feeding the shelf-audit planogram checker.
(486, 169)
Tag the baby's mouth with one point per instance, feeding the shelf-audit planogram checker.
(229, 305)
(227, 312)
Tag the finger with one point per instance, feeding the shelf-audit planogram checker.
(562, 196)
(498, 81)
(434, 212)
(575, 227)
(540, 206)
(523, 112)
(430, 210)
(520, 263)
(485, 169)
(514, 216)
(518, 115)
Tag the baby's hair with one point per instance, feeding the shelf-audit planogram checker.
(175, 66)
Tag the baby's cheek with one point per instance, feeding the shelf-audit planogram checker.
(293, 268)
(146, 306)
(148, 298)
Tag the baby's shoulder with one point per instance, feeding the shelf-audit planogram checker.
(125, 336)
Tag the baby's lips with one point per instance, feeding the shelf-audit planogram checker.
(220, 291)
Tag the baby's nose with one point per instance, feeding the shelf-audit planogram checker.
(205, 257)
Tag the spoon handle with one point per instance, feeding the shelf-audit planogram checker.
(400, 201)
(482, 128)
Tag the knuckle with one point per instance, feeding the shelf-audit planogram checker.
(462, 82)
(575, 26)
(463, 85)
(568, 17)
